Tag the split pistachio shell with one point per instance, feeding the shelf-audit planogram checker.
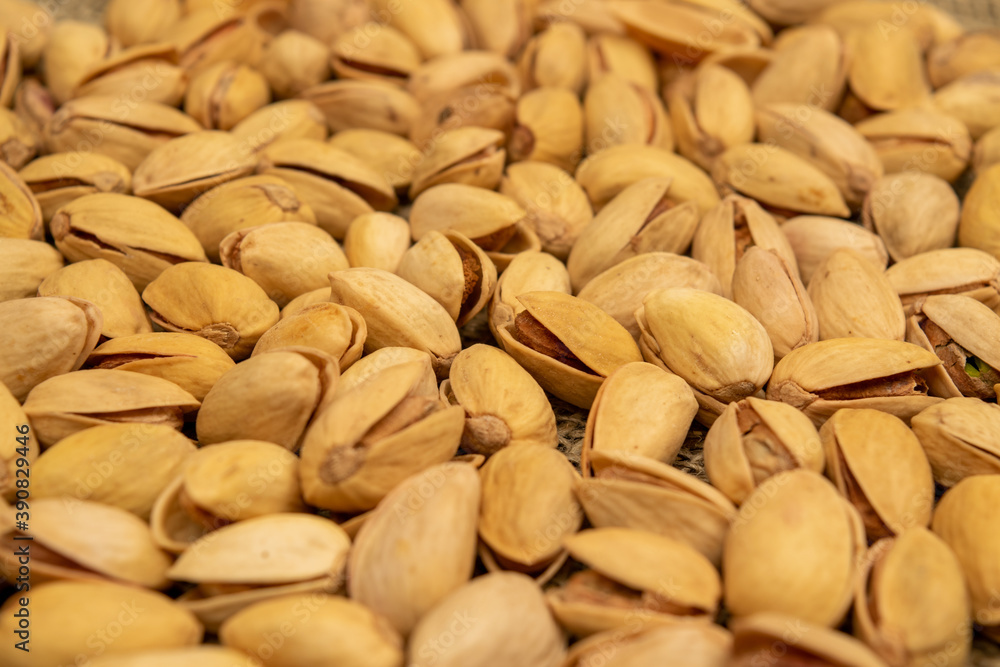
(716, 346)
(223, 94)
(395, 157)
(753, 440)
(637, 492)
(971, 99)
(489, 105)
(397, 314)
(619, 291)
(130, 69)
(377, 240)
(503, 404)
(912, 213)
(43, 338)
(568, 345)
(548, 127)
(418, 545)
(528, 508)
(135, 235)
(978, 226)
(594, 16)
(376, 52)
(809, 67)
(294, 61)
(498, 619)
(958, 438)
(887, 69)
(64, 531)
(457, 70)
(287, 259)
(329, 629)
(204, 655)
(13, 419)
(58, 179)
(919, 139)
(120, 465)
(911, 601)
(434, 26)
(618, 111)
(878, 465)
(106, 286)
(207, 36)
(644, 217)
(24, 264)
(814, 238)
(666, 402)
(870, 373)
(971, 52)
(287, 119)
(373, 436)
(755, 638)
(149, 620)
(350, 104)
(470, 155)
(964, 521)
(853, 298)
(191, 362)
(22, 216)
(608, 52)
(555, 57)
(336, 330)
(701, 644)
(802, 562)
(529, 271)
(231, 310)
(236, 407)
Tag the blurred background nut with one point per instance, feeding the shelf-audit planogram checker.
(136, 22)
(395, 157)
(222, 95)
(287, 119)
(469, 155)
(59, 178)
(129, 70)
(375, 105)
(22, 216)
(18, 144)
(917, 139)
(204, 655)
(978, 226)
(293, 61)
(912, 213)
(73, 51)
(373, 51)
(554, 57)
(12, 416)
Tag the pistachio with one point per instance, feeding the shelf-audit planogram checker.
(787, 13)
(130, 70)
(132, 22)
(377, 240)
(924, 140)
(500, 27)
(852, 297)
(971, 99)
(887, 69)
(469, 155)
(18, 144)
(36, 24)
(458, 70)
(608, 52)
(75, 48)
(207, 36)
(932, 24)
(34, 104)
(548, 127)
(809, 67)
(45, 337)
(325, 20)
(60, 178)
(987, 151)
(487, 105)
(374, 52)
(814, 238)
(702, 644)
(594, 16)
(13, 419)
(24, 264)
(435, 26)
(756, 636)
(10, 69)
(352, 104)
(379, 360)
(529, 271)
(223, 94)
(204, 655)
(20, 214)
(287, 119)
(393, 156)
(299, 303)
(216, 303)
(191, 362)
(555, 58)
(957, 437)
(977, 228)
(294, 61)
(336, 330)
(617, 112)
(912, 213)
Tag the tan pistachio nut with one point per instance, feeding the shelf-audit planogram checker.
(494, 222)
(121, 465)
(223, 94)
(962, 332)
(636, 492)
(336, 330)
(527, 510)
(924, 140)
(45, 337)
(240, 405)
(852, 297)
(987, 151)
(13, 419)
(458, 70)
(934, 25)
(34, 104)
(453, 270)
(548, 127)
(964, 521)
(18, 144)
(664, 400)
(911, 601)
(870, 373)
(374, 52)
(337, 186)
(293, 61)
(10, 69)
(594, 16)
(971, 52)
(972, 100)
(393, 156)
(58, 179)
(770, 290)
(204, 655)
(370, 438)
(32, 42)
(287, 119)
(376, 105)
(63, 533)
(418, 545)
(755, 636)
(730, 228)
(887, 69)
(912, 212)
(94, 123)
(191, 362)
(435, 26)
(132, 22)
(222, 484)
(372, 364)
(20, 214)
(558, 208)
(608, 52)
(715, 345)
(65, 404)
(556, 58)
(499, 27)
(617, 112)
(24, 264)
(957, 437)
(470, 155)
(356, 636)
(163, 624)
(326, 19)
(377, 240)
(567, 344)
(207, 36)
(978, 225)
(619, 291)
(213, 302)
(877, 463)
(487, 105)
(287, 259)
(398, 314)
(786, 13)
(131, 70)
(260, 559)
(809, 66)
(646, 216)
(605, 174)
(299, 303)
(702, 644)
(529, 271)
(767, 570)
(107, 287)
(75, 48)
(753, 440)
(661, 580)
(814, 238)
(176, 173)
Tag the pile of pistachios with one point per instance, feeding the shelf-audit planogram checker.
(250, 251)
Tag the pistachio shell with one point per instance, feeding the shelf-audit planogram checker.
(60, 178)
(529, 271)
(377, 240)
(336, 330)
(132, 22)
(350, 104)
(977, 228)
(548, 127)
(555, 57)
(392, 156)
(372, 364)
(756, 636)
(470, 155)
(957, 436)
(887, 69)
(206, 36)
(16, 449)
(129, 69)
(702, 644)
(374, 51)
(488, 105)
(971, 99)
(853, 298)
(22, 216)
(918, 139)
(434, 26)
(618, 111)
(293, 61)
(200, 656)
(287, 119)
(912, 213)
(814, 238)
(24, 264)
(223, 94)
(809, 67)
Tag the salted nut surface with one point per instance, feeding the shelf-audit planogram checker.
(499, 333)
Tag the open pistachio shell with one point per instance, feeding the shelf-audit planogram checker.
(352, 104)
(470, 155)
(331, 328)
(757, 637)
(809, 67)
(958, 437)
(129, 69)
(920, 139)
(530, 271)
(701, 644)
(387, 54)
(966, 271)
(814, 238)
(372, 364)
